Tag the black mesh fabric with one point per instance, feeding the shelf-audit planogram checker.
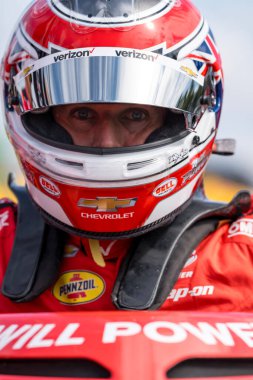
(43, 125)
(174, 125)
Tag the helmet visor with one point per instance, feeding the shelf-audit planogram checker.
(109, 75)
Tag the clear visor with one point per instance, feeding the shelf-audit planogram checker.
(118, 76)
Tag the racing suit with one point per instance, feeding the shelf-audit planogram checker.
(216, 277)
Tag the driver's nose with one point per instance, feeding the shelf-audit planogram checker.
(107, 134)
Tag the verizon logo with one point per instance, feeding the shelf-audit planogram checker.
(136, 54)
(73, 54)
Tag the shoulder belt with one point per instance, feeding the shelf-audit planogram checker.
(149, 273)
(36, 254)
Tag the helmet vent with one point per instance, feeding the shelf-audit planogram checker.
(78, 165)
(141, 164)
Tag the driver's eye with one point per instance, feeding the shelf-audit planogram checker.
(135, 115)
(83, 113)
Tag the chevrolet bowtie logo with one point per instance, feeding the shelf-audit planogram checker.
(107, 204)
(189, 71)
(27, 70)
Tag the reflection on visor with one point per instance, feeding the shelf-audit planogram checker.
(109, 11)
(108, 75)
(113, 8)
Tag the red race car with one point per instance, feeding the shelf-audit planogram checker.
(126, 345)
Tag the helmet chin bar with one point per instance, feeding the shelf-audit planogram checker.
(114, 235)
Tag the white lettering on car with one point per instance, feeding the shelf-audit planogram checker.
(172, 333)
(34, 336)
(114, 329)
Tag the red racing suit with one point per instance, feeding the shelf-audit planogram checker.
(217, 276)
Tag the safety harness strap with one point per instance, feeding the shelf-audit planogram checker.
(36, 254)
(150, 272)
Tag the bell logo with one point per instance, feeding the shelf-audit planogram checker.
(107, 204)
(49, 186)
(165, 187)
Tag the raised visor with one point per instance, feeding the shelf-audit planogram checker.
(126, 345)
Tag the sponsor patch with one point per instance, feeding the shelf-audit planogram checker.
(196, 291)
(241, 227)
(137, 55)
(29, 174)
(127, 215)
(49, 186)
(27, 70)
(185, 275)
(165, 187)
(189, 71)
(73, 54)
(4, 220)
(191, 259)
(197, 166)
(103, 204)
(106, 251)
(188, 274)
(175, 158)
(37, 156)
(78, 287)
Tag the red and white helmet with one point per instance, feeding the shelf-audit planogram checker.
(152, 52)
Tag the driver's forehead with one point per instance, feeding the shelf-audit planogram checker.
(110, 107)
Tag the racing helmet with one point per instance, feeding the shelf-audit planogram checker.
(158, 53)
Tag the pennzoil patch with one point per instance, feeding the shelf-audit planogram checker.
(78, 287)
